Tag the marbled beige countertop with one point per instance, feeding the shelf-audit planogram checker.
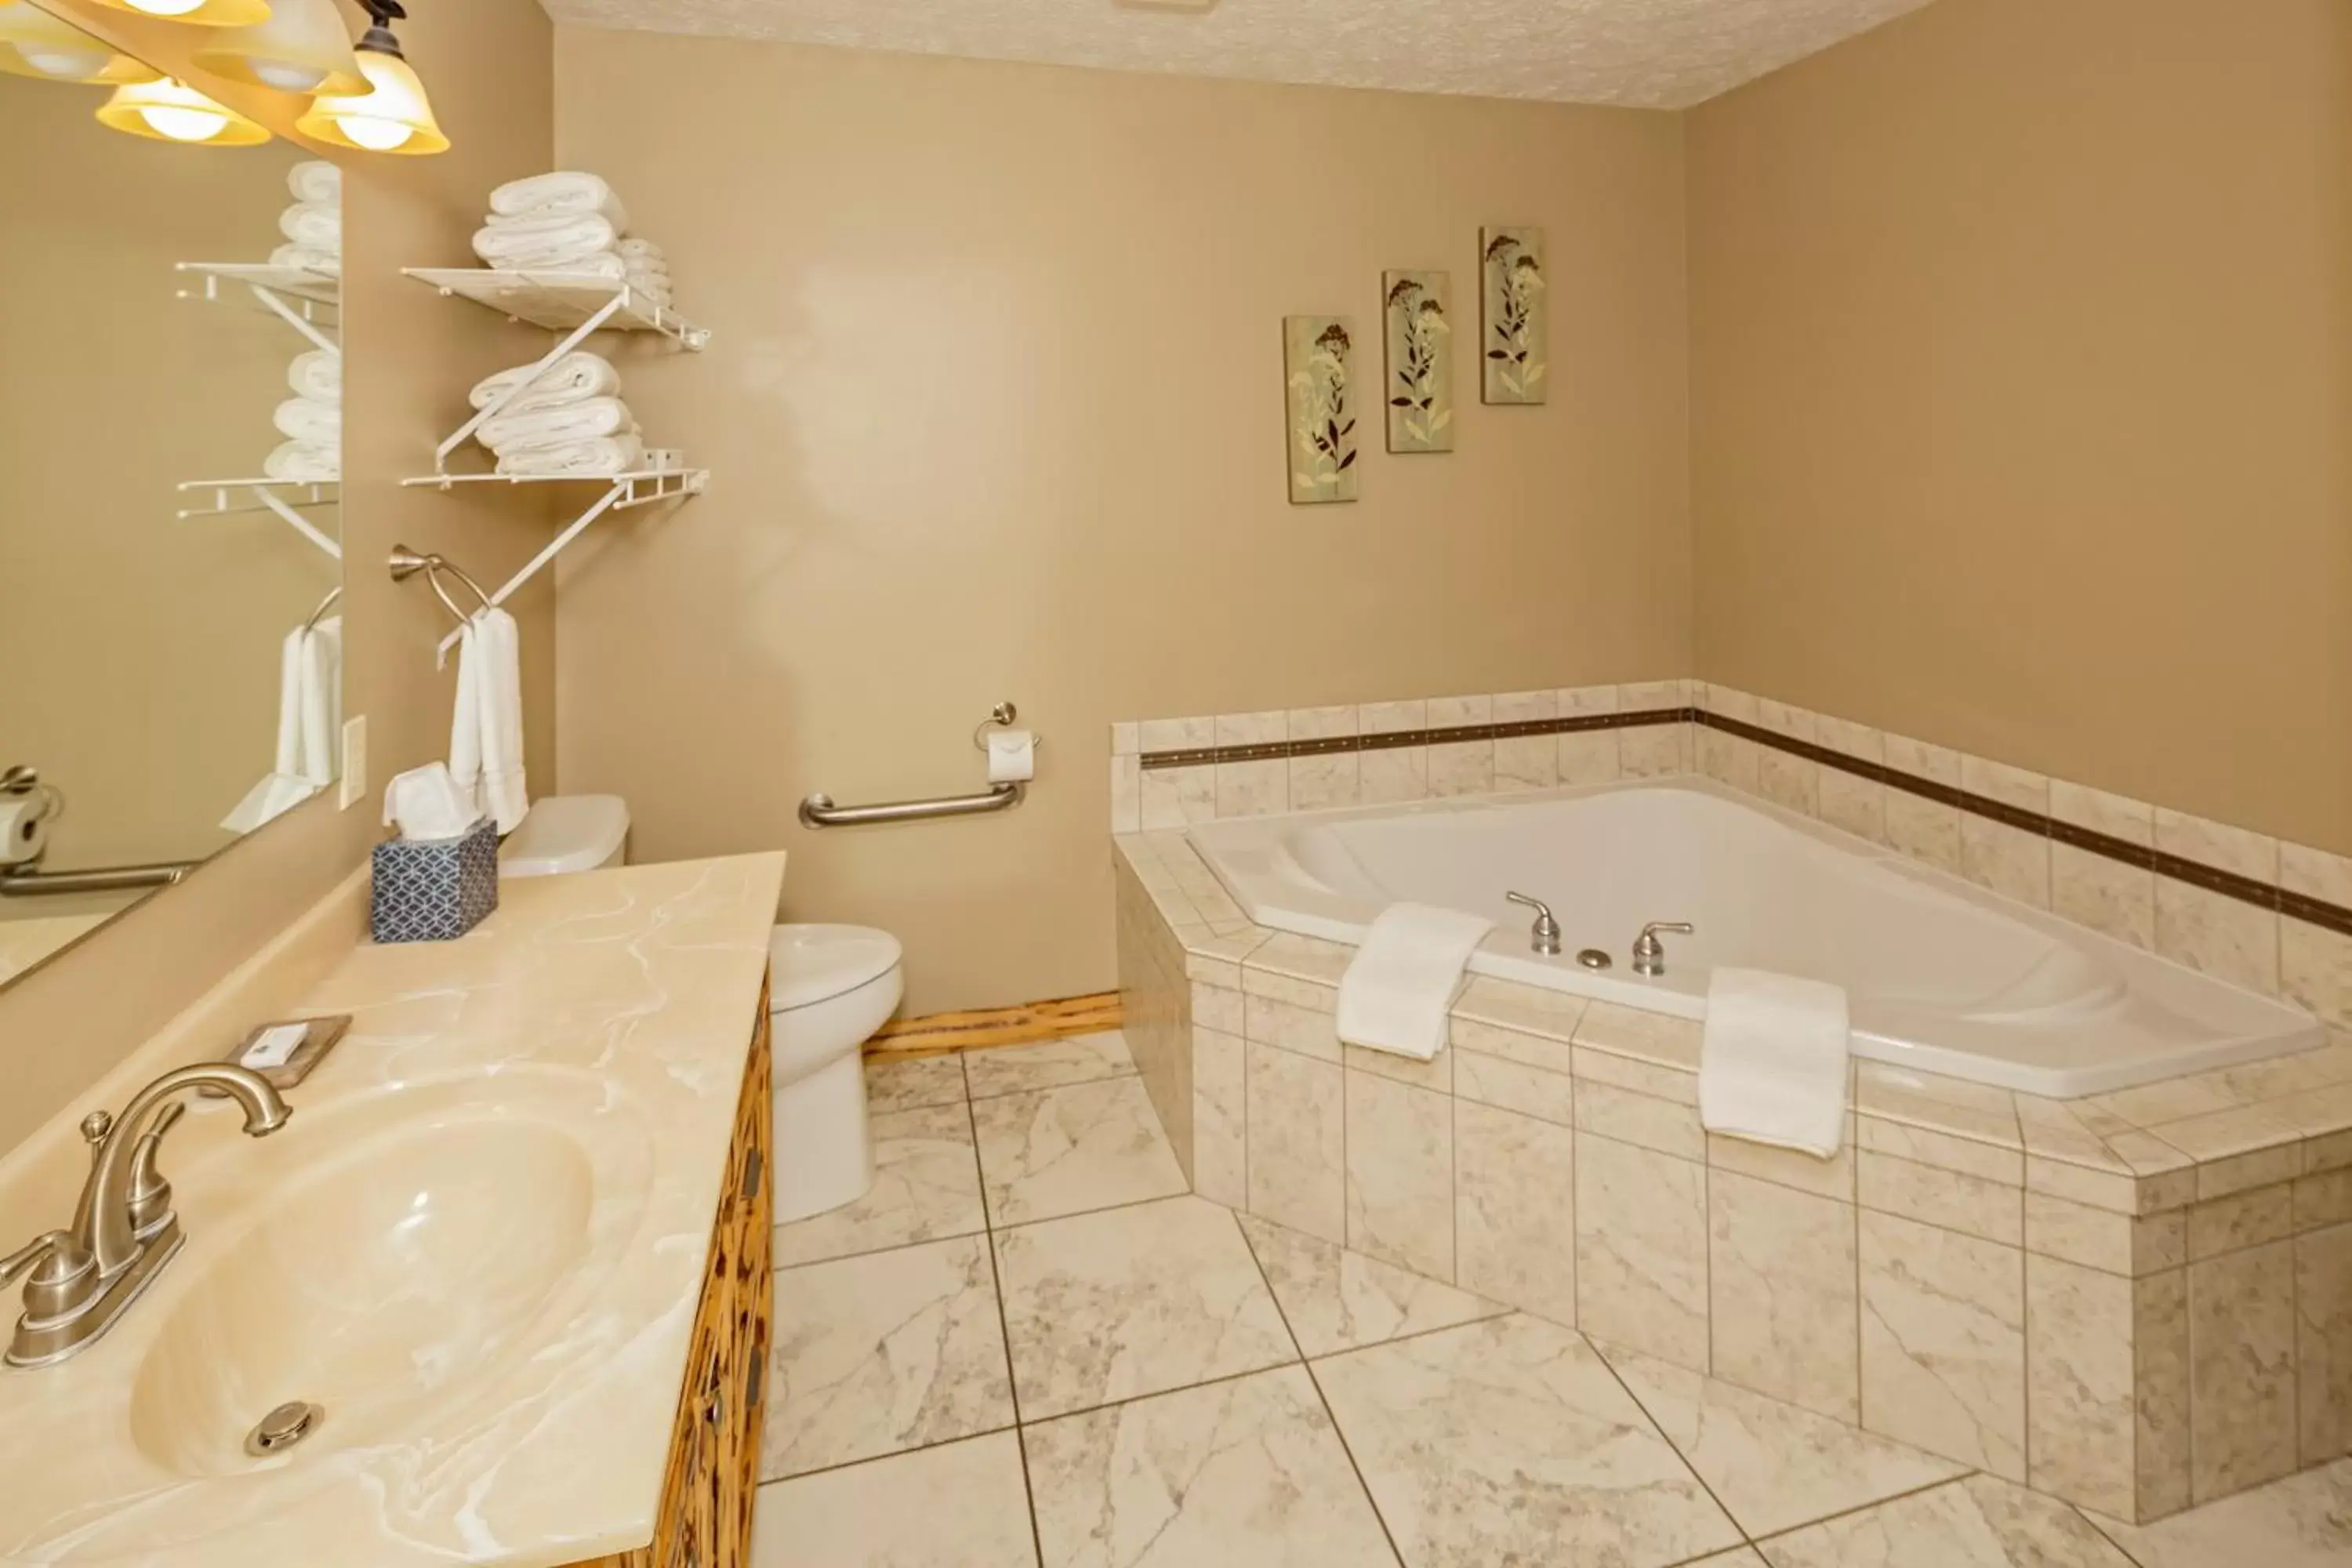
(621, 1005)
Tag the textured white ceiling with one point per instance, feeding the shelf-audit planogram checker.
(1656, 54)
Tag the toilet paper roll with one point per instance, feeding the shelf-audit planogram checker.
(24, 827)
(1011, 756)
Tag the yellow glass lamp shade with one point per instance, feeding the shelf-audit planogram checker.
(303, 48)
(201, 13)
(394, 117)
(170, 111)
(34, 43)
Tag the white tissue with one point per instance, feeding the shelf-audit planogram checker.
(427, 807)
(1011, 756)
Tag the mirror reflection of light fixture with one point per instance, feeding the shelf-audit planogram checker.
(200, 12)
(171, 110)
(302, 47)
(34, 43)
(396, 116)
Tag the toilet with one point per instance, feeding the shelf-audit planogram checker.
(830, 987)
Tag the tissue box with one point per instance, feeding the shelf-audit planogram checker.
(436, 892)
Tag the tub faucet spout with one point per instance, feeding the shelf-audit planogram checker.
(1545, 937)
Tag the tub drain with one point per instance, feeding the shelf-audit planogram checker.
(283, 1427)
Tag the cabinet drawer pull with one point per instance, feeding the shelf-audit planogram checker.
(751, 1174)
(755, 1384)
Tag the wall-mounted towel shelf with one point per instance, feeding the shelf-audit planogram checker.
(310, 302)
(280, 498)
(577, 305)
(562, 300)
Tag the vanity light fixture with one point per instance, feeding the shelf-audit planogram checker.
(198, 13)
(302, 47)
(34, 43)
(171, 110)
(395, 116)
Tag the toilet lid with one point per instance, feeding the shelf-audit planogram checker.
(808, 964)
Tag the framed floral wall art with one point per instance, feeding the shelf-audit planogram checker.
(1512, 333)
(1318, 364)
(1419, 391)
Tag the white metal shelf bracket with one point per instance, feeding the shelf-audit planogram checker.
(267, 498)
(627, 491)
(522, 383)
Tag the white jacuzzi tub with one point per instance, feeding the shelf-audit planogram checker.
(1941, 976)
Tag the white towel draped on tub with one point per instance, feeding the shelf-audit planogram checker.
(1397, 990)
(1772, 1063)
(486, 729)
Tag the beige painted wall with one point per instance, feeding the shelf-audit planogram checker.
(2022, 374)
(994, 409)
(411, 356)
(142, 649)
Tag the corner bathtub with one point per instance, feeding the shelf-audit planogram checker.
(1940, 976)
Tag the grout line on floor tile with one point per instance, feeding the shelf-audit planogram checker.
(1004, 1338)
(2104, 1533)
(877, 1458)
(1316, 1383)
(1049, 1087)
(1659, 1428)
(1106, 1208)
(1865, 1508)
(877, 1251)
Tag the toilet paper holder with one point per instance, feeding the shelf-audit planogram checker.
(1002, 715)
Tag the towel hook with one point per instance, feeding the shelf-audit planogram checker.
(406, 564)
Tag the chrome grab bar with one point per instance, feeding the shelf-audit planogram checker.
(818, 810)
(30, 880)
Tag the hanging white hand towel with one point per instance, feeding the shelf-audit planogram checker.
(1396, 991)
(1772, 1062)
(300, 767)
(321, 690)
(485, 729)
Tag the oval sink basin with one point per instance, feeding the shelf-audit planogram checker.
(378, 1292)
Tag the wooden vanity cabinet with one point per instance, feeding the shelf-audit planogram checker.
(714, 1459)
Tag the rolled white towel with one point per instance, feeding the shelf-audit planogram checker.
(308, 419)
(314, 180)
(558, 427)
(545, 243)
(305, 462)
(318, 376)
(566, 191)
(325, 260)
(642, 250)
(596, 458)
(575, 378)
(312, 223)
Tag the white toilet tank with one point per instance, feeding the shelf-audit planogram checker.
(568, 833)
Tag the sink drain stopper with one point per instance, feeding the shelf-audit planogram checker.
(283, 1427)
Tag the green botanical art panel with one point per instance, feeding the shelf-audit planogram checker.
(1319, 363)
(1511, 344)
(1419, 361)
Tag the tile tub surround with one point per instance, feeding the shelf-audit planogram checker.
(2132, 1301)
(2272, 917)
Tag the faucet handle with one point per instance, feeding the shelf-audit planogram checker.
(20, 1262)
(1674, 928)
(1546, 936)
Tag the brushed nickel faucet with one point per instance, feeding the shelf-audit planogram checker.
(1545, 937)
(80, 1280)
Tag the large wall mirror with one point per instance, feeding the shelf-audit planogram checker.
(171, 556)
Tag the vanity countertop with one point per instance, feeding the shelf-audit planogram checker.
(535, 1120)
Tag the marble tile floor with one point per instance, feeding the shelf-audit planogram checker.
(1031, 1347)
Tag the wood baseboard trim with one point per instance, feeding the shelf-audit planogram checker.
(1056, 1019)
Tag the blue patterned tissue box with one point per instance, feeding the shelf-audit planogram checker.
(436, 892)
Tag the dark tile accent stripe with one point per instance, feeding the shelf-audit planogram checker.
(2230, 884)
(1396, 740)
